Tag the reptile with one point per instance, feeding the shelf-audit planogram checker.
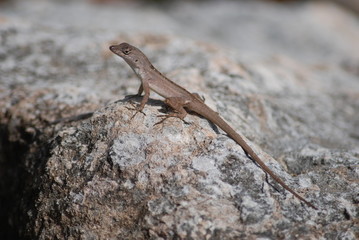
(181, 101)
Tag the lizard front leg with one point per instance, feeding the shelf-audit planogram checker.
(138, 94)
(144, 87)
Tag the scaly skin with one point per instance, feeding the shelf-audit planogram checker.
(180, 99)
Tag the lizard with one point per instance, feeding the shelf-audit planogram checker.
(181, 101)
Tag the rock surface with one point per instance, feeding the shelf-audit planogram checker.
(111, 176)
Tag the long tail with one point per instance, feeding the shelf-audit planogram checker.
(215, 118)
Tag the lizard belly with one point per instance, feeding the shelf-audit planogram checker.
(165, 90)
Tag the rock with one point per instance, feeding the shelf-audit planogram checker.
(111, 175)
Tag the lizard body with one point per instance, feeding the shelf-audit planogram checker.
(180, 99)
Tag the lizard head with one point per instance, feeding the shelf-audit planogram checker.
(132, 55)
(122, 50)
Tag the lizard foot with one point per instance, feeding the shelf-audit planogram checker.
(136, 108)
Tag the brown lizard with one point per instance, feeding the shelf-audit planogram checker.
(180, 99)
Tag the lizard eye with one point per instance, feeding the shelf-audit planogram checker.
(126, 51)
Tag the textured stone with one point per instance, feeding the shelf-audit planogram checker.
(111, 176)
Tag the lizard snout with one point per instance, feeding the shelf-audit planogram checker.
(113, 48)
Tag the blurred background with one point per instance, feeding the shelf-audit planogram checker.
(311, 31)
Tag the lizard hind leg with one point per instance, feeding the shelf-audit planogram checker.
(176, 103)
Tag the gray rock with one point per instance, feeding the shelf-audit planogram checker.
(111, 176)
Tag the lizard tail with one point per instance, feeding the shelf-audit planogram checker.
(216, 119)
